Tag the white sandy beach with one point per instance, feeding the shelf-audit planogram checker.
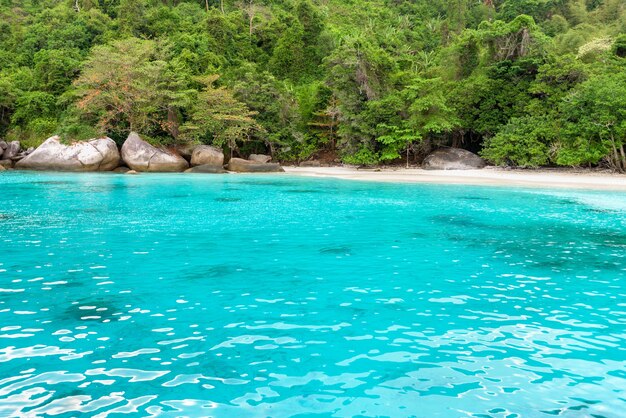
(490, 176)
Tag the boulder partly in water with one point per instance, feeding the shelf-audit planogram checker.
(94, 155)
(452, 159)
(141, 156)
(206, 169)
(240, 165)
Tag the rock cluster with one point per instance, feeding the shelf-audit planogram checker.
(12, 152)
(135, 155)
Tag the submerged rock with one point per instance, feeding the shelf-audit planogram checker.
(94, 155)
(260, 158)
(121, 170)
(141, 156)
(452, 159)
(207, 155)
(2, 168)
(6, 163)
(245, 166)
(206, 168)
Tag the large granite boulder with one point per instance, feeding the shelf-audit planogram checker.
(207, 155)
(206, 169)
(141, 156)
(245, 166)
(94, 155)
(260, 158)
(11, 151)
(452, 159)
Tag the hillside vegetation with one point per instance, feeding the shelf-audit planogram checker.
(523, 82)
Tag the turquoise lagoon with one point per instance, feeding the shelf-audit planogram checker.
(235, 296)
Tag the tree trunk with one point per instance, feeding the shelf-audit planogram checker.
(172, 122)
(407, 154)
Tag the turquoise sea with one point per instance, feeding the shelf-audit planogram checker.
(269, 295)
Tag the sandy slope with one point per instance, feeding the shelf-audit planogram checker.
(487, 177)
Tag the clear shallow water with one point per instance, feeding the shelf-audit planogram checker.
(244, 296)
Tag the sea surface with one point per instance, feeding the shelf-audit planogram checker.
(269, 295)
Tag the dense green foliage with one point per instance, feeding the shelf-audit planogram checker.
(523, 82)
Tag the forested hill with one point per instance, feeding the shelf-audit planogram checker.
(523, 82)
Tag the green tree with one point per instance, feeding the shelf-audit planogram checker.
(595, 122)
(217, 117)
(127, 86)
(523, 142)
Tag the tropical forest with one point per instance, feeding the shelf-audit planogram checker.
(523, 83)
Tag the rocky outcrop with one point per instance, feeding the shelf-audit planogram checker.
(94, 155)
(260, 158)
(452, 159)
(11, 151)
(207, 169)
(141, 156)
(240, 165)
(207, 155)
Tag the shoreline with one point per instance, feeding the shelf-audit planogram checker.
(574, 179)
(490, 176)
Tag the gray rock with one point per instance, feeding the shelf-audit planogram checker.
(260, 158)
(6, 163)
(121, 170)
(206, 168)
(94, 155)
(244, 166)
(207, 155)
(141, 156)
(311, 163)
(185, 150)
(13, 148)
(452, 159)
(3, 145)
